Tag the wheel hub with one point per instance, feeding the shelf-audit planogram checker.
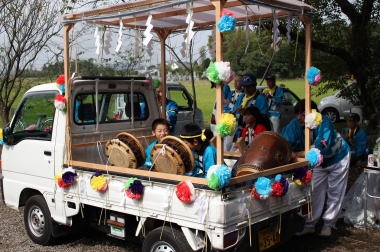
(162, 246)
(36, 221)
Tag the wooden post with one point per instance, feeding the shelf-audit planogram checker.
(219, 4)
(66, 60)
(163, 34)
(307, 22)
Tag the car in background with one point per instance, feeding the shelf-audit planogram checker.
(335, 107)
(178, 93)
(289, 100)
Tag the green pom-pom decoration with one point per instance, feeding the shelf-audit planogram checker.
(213, 182)
(128, 183)
(212, 73)
(156, 83)
(223, 130)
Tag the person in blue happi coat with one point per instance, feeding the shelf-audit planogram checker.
(356, 138)
(294, 131)
(274, 95)
(199, 142)
(171, 110)
(160, 129)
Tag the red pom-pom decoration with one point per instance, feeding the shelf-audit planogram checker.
(255, 194)
(60, 102)
(185, 192)
(60, 80)
(131, 195)
(228, 13)
(307, 178)
(277, 189)
(62, 183)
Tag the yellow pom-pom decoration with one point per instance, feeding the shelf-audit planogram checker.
(98, 183)
(297, 182)
(58, 176)
(318, 117)
(227, 125)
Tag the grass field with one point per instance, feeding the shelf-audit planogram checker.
(206, 95)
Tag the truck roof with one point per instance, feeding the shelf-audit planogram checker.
(43, 87)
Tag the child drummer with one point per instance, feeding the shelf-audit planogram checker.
(160, 129)
(199, 142)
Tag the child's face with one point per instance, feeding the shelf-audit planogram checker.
(194, 145)
(301, 119)
(351, 124)
(249, 119)
(161, 131)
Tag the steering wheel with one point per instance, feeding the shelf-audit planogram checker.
(47, 124)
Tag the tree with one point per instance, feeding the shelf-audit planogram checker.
(27, 26)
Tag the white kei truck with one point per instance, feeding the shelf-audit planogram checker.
(34, 152)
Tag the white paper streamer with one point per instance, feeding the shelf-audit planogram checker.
(107, 42)
(189, 34)
(275, 34)
(119, 39)
(288, 29)
(98, 43)
(201, 206)
(147, 35)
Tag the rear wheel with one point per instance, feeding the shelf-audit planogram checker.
(38, 221)
(171, 240)
(332, 114)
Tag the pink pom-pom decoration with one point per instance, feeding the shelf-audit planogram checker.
(185, 192)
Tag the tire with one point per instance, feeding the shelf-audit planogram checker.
(332, 114)
(37, 220)
(171, 241)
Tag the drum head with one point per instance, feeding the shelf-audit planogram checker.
(125, 151)
(172, 155)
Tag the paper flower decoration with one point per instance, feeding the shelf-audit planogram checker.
(156, 83)
(227, 22)
(231, 78)
(301, 176)
(313, 76)
(218, 176)
(227, 125)
(314, 157)
(66, 178)
(262, 188)
(133, 188)
(313, 120)
(219, 71)
(185, 192)
(60, 82)
(99, 182)
(280, 186)
(60, 102)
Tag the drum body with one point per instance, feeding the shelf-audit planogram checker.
(125, 151)
(172, 155)
(267, 150)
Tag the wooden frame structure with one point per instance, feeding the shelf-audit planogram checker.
(169, 17)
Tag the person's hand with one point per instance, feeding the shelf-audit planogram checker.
(296, 155)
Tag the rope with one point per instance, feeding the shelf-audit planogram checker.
(162, 153)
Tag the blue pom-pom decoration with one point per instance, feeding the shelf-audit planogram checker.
(224, 175)
(263, 186)
(278, 177)
(226, 23)
(313, 157)
(62, 88)
(311, 74)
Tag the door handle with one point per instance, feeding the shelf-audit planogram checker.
(47, 153)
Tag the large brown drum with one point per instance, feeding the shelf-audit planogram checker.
(267, 150)
(125, 151)
(172, 155)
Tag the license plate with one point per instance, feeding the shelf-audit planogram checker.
(268, 238)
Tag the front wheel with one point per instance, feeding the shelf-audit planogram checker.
(38, 221)
(332, 114)
(171, 240)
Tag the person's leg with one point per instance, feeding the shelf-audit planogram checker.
(319, 183)
(337, 182)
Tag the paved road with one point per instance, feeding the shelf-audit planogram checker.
(14, 238)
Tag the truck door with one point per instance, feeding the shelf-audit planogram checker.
(29, 153)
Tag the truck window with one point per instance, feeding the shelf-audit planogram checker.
(181, 98)
(113, 107)
(289, 98)
(35, 117)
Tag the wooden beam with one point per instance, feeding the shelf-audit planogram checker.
(149, 138)
(307, 23)
(163, 34)
(66, 59)
(219, 5)
(300, 163)
(113, 9)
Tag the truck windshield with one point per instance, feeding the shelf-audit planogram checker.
(112, 107)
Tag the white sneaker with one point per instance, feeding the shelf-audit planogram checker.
(325, 232)
(306, 230)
